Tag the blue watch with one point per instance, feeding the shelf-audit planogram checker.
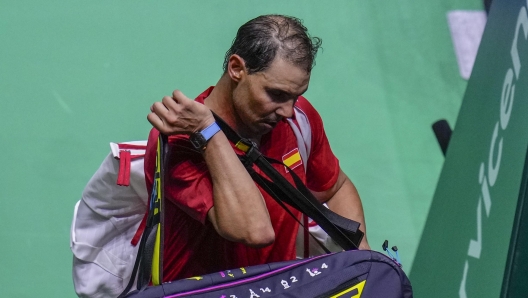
(199, 139)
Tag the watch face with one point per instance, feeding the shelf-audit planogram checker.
(197, 140)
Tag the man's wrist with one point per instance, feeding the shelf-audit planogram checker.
(205, 123)
(200, 139)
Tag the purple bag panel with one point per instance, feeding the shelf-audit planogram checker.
(357, 274)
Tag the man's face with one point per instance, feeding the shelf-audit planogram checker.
(264, 98)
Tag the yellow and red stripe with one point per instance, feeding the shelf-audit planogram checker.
(292, 159)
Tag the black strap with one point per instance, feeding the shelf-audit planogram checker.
(343, 231)
(135, 269)
(338, 220)
(164, 143)
(145, 269)
(272, 189)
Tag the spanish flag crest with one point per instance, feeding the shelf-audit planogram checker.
(292, 159)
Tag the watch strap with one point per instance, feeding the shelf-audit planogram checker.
(210, 131)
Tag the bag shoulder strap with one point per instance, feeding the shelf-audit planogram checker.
(343, 231)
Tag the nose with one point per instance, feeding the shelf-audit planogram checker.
(285, 109)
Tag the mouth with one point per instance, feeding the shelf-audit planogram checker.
(266, 125)
(271, 124)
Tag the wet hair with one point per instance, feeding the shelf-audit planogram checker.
(261, 39)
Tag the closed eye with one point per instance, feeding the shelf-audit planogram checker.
(280, 96)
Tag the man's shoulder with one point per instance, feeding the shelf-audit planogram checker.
(303, 104)
(305, 107)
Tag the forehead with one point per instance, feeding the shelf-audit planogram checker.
(283, 75)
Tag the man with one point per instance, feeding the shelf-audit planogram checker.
(217, 218)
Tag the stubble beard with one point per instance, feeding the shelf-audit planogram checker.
(243, 128)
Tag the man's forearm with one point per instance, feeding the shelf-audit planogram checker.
(239, 212)
(343, 199)
(346, 202)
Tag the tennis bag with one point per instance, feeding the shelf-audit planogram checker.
(351, 274)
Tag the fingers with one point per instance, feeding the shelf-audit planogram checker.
(159, 115)
(156, 121)
(179, 97)
(177, 114)
(164, 107)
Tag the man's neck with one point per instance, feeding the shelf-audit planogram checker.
(220, 102)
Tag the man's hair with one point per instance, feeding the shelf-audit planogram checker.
(261, 39)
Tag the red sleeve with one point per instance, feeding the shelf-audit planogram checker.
(188, 183)
(322, 169)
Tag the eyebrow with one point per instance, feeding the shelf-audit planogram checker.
(286, 92)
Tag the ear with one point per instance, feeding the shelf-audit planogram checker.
(236, 68)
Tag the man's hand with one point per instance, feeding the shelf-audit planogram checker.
(343, 199)
(179, 115)
(239, 213)
(364, 244)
